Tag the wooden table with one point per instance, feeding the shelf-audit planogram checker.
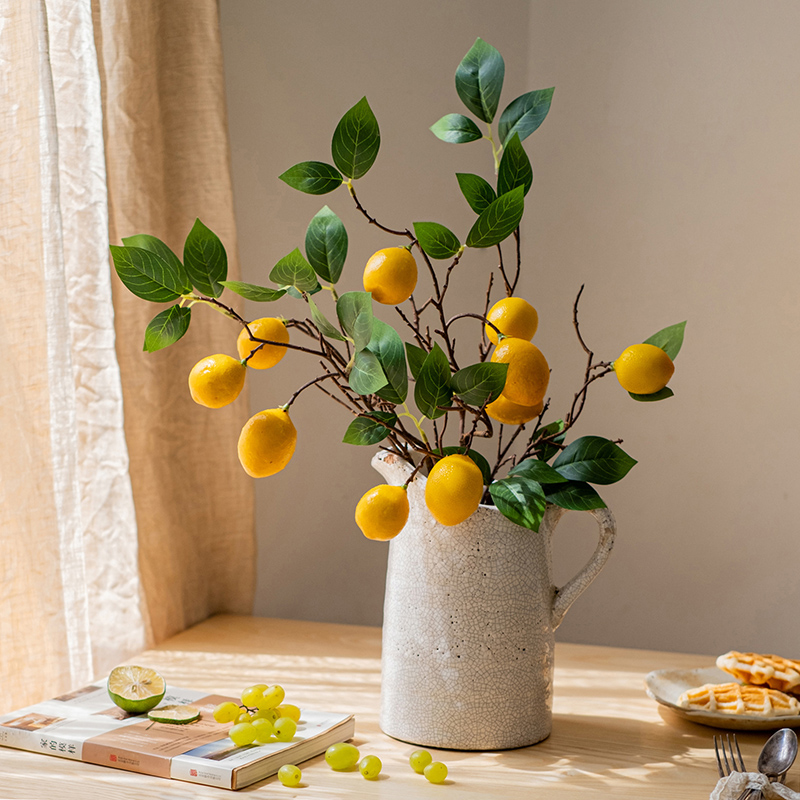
(609, 739)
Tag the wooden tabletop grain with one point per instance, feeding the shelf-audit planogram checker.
(609, 738)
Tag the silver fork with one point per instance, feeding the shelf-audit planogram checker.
(727, 759)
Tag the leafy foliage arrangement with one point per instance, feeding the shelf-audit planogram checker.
(365, 361)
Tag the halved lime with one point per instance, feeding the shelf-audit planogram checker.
(175, 715)
(136, 689)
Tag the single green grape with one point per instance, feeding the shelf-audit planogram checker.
(288, 710)
(342, 756)
(436, 772)
(252, 694)
(370, 767)
(227, 712)
(269, 714)
(285, 729)
(244, 716)
(242, 734)
(289, 775)
(264, 730)
(272, 696)
(420, 759)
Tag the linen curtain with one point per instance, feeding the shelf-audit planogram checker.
(124, 516)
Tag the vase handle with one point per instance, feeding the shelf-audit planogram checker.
(570, 591)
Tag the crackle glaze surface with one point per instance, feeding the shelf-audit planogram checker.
(469, 616)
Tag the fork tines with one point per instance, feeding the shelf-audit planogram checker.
(727, 760)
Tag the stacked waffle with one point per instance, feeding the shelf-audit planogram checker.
(770, 687)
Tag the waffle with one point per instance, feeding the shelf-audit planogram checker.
(733, 698)
(775, 672)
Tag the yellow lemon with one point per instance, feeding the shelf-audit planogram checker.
(272, 330)
(267, 442)
(528, 372)
(382, 512)
(454, 489)
(216, 380)
(503, 410)
(514, 317)
(643, 369)
(391, 275)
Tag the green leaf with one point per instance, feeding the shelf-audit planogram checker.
(259, 294)
(499, 220)
(148, 275)
(312, 177)
(670, 339)
(538, 471)
(477, 383)
(387, 345)
(433, 384)
(521, 500)
(479, 80)
(479, 460)
(594, 459)
(457, 129)
(665, 393)
(366, 376)
(326, 245)
(354, 310)
(515, 168)
(436, 240)
(478, 192)
(356, 140)
(293, 270)
(154, 245)
(525, 114)
(574, 495)
(416, 358)
(545, 451)
(369, 430)
(326, 328)
(205, 259)
(166, 328)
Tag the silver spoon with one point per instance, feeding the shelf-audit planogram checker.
(778, 754)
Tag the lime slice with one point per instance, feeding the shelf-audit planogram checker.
(175, 715)
(136, 689)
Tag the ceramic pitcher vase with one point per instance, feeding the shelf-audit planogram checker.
(468, 626)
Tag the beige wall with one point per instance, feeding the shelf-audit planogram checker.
(666, 181)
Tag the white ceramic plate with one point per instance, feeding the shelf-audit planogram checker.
(667, 685)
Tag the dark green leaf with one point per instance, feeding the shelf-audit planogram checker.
(356, 140)
(515, 168)
(525, 114)
(477, 383)
(479, 80)
(369, 430)
(651, 398)
(326, 245)
(366, 376)
(205, 260)
(574, 495)
(538, 471)
(416, 358)
(521, 500)
(481, 462)
(545, 450)
(166, 328)
(147, 275)
(670, 339)
(326, 328)
(312, 177)
(594, 459)
(499, 220)
(456, 128)
(259, 294)
(436, 240)
(478, 192)
(294, 270)
(433, 384)
(154, 245)
(387, 345)
(354, 310)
